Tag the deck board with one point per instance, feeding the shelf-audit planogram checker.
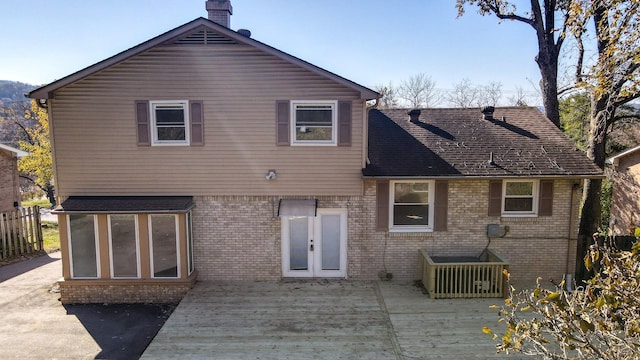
(319, 319)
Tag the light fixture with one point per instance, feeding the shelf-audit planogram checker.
(271, 175)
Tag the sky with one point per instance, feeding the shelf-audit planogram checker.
(371, 42)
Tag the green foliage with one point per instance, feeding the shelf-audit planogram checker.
(606, 194)
(50, 232)
(598, 321)
(574, 118)
(38, 165)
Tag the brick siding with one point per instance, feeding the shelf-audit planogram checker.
(9, 188)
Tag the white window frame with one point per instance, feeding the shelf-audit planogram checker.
(334, 123)
(535, 188)
(154, 136)
(137, 234)
(430, 203)
(97, 244)
(178, 262)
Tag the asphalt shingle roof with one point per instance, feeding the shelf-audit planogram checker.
(125, 204)
(459, 142)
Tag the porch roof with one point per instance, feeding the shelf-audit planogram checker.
(125, 204)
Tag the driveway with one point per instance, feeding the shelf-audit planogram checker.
(34, 325)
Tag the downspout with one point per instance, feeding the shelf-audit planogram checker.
(568, 279)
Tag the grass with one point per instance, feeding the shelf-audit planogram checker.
(50, 236)
(43, 203)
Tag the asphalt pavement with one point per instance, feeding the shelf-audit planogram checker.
(35, 325)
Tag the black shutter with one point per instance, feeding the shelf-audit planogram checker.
(282, 122)
(143, 122)
(197, 122)
(441, 201)
(344, 123)
(495, 198)
(382, 205)
(545, 201)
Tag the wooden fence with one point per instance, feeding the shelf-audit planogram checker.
(455, 278)
(20, 232)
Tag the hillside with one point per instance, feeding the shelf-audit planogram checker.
(12, 107)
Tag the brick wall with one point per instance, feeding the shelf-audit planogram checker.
(9, 190)
(87, 292)
(239, 237)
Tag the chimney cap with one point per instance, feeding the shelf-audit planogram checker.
(414, 115)
(244, 32)
(487, 112)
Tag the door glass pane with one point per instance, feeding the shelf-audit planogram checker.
(83, 246)
(330, 242)
(123, 245)
(163, 235)
(298, 241)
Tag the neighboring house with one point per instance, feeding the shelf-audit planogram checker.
(9, 180)
(203, 153)
(625, 202)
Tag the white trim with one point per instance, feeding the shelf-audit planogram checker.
(190, 253)
(187, 123)
(430, 203)
(177, 242)
(97, 248)
(314, 229)
(334, 123)
(19, 153)
(616, 158)
(137, 239)
(535, 193)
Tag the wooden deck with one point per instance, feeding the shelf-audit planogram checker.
(319, 319)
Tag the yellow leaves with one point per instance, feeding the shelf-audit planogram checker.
(487, 331)
(553, 296)
(586, 326)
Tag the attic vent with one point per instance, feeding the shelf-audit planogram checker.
(204, 37)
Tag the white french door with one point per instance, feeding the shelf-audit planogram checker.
(315, 246)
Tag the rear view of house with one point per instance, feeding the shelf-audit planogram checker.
(206, 154)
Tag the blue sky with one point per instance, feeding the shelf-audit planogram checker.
(368, 41)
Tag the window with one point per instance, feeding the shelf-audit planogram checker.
(123, 246)
(83, 246)
(411, 206)
(163, 230)
(520, 197)
(170, 122)
(313, 122)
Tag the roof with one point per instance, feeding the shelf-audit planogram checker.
(19, 153)
(460, 143)
(222, 34)
(614, 159)
(125, 204)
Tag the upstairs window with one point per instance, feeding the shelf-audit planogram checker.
(520, 197)
(313, 122)
(170, 122)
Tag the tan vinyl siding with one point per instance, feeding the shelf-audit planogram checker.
(96, 145)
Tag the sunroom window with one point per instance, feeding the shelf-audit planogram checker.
(164, 243)
(170, 120)
(83, 246)
(520, 197)
(313, 122)
(123, 246)
(411, 206)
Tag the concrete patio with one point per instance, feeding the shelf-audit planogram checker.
(322, 319)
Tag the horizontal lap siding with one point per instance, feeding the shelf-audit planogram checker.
(95, 133)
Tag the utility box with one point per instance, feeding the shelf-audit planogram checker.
(493, 230)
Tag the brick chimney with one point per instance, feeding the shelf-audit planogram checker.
(219, 11)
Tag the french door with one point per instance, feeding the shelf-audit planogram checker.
(315, 246)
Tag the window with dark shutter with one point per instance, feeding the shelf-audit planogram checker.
(495, 198)
(197, 122)
(382, 205)
(545, 202)
(143, 123)
(344, 123)
(282, 122)
(441, 205)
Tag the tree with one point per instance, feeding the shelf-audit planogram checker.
(613, 81)
(542, 18)
(464, 94)
(388, 96)
(598, 321)
(38, 166)
(490, 94)
(419, 91)
(519, 98)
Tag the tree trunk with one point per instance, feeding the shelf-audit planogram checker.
(590, 217)
(51, 195)
(547, 60)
